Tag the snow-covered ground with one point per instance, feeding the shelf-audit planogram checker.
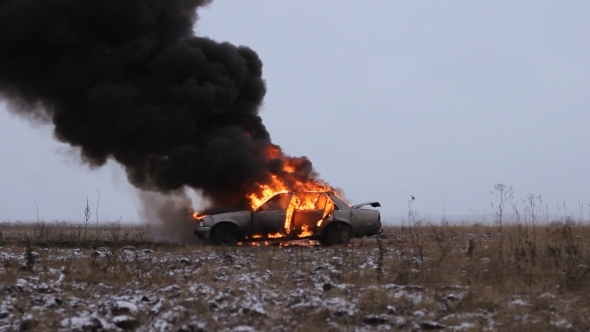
(203, 288)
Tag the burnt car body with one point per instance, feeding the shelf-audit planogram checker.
(313, 215)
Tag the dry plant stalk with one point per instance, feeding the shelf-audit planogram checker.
(406, 278)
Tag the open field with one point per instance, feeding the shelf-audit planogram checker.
(454, 278)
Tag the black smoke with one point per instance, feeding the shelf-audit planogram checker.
(129, 80)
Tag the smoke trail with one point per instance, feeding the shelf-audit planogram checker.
(176, 225)
(129, 80)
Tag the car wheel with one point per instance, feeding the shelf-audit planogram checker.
(225, 234)
(337, 234)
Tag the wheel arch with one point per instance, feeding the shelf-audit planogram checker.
(331, 230)
(226, 222)
(336, 222)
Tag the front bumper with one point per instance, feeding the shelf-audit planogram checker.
(203, 232)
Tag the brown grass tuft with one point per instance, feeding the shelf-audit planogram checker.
(462, 277)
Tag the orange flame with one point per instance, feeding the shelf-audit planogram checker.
(270, 236)
(327, 210)
(294, 177)
(305, 231)
(253, 243)
(289, 215)
(198, 216)
(287, 181)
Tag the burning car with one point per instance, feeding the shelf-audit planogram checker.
(320, 215)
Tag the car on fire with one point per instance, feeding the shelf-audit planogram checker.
(288, 215)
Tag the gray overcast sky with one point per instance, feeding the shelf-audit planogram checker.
(438, 99)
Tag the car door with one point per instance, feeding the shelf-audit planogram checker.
(309, 212)
(269, 218)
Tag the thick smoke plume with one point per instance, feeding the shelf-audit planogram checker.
(129, 80)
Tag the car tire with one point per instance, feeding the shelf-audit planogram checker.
(337, 234)
(225, 234)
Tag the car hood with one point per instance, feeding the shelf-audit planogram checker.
(236, 216)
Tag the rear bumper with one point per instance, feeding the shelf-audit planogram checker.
(203, 232)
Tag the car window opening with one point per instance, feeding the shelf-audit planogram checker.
(279, 202)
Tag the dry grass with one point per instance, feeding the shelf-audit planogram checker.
(410, 278)
(81, 234)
